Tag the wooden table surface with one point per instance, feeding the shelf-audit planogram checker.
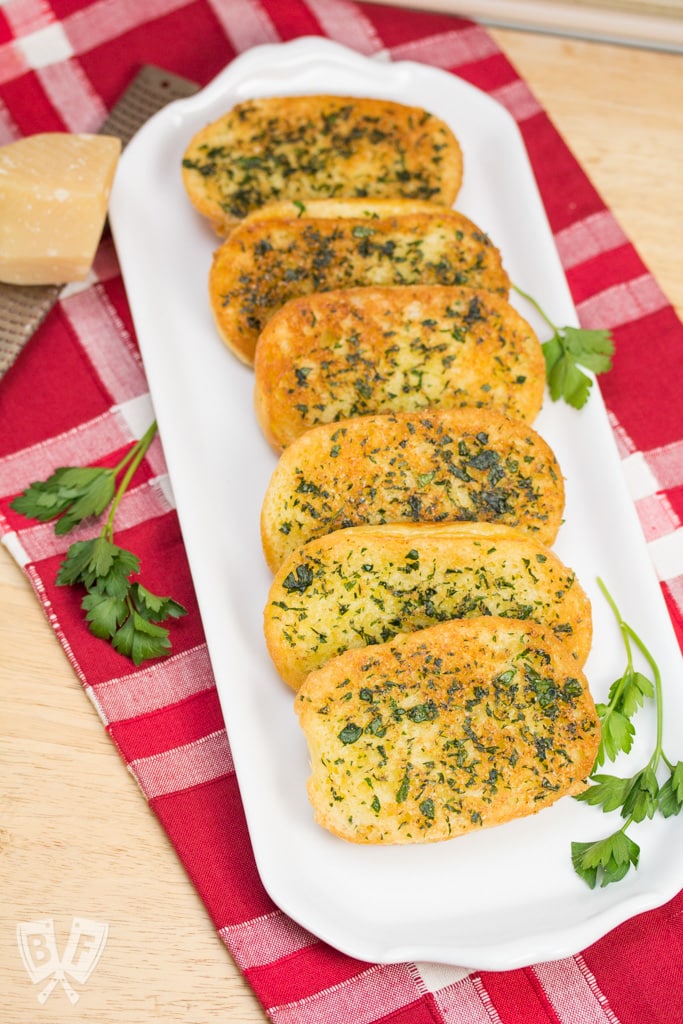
(76, 836)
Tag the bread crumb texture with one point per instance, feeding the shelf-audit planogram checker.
(455, 728)
(307, 147)
(439, 466)
(284, 253)
(366, 584)
(333, 355)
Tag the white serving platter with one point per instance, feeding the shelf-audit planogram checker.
(496, 899)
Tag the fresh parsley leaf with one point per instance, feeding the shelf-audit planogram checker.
(626, 695)
(605, 861)
(153, 608)
(564, 354)
(70, 495)
(640, 796)
(565, 379)
(616, 735)
(98, 563)
(671, 793)
(592, 349)
(634, 688)
(117, 608)
(104, 614)
(141, 640)
(606, 791)
(566, 351)
(132, 622)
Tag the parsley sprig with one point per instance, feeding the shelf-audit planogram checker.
(566, 352)
(640, 795)
(118, 608)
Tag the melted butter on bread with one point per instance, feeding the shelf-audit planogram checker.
(285, 252)
(458, 727)
(332, 355)
(304, 147)
(471, 465)
(366, 584)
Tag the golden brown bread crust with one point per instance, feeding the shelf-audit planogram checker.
(435, 466)
(330, 209)
(331, 355)
(282, 254)
(366, 584)
(457, 727)
(303, 147)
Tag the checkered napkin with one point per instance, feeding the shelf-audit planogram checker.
(77, 394)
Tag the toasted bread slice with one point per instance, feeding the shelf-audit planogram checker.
(332, 355)
(303, 147)
(280, 254)
(458, 465)
(458, 727)
(366, 584)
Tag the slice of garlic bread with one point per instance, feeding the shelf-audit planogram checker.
(332, 355)
(455, 728)
(435, 466)
(366, 584)
(280, 254)
(303, 147)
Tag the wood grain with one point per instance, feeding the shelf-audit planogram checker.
(642, 23)
(76, 836)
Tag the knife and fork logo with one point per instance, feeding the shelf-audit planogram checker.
(38, 948)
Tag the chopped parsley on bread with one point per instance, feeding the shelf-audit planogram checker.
(435, 641)
(366, 584)
(333, 355)
(451, 729)
(305, 147)
(436, 466)
(286, 251)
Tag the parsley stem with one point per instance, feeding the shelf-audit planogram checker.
(537, 307)
(659, 702)
(628, 634)
(133, 458)
(639, 796)
(625, 635)
(130, 454)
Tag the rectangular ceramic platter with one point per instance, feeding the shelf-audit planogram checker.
(495, 899)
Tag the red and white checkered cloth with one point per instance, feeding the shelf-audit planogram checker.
(78, 392)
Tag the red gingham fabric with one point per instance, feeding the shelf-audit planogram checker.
(78, 391)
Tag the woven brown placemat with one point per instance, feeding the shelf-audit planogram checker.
(24, 307)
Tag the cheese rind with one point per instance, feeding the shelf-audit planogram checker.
(54, 194)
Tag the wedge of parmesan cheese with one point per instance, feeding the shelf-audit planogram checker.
(54, 194)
